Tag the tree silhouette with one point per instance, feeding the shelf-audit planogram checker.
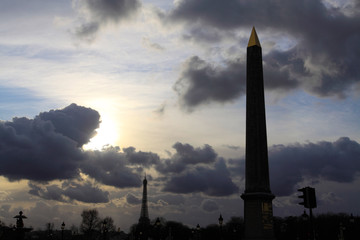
(91, 222)
(109, 224)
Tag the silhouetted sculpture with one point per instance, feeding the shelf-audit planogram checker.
(257, 196)
(19, 220)
(144, 221)
(20, 230)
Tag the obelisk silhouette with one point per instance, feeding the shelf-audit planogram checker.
(257, 196)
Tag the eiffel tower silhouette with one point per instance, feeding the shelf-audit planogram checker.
(144, 221)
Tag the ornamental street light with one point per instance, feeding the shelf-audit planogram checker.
(198, 231)
(104, 227)
(157, 226)
(221, 223)
(62, 230)
(220, 220)
(304, 216)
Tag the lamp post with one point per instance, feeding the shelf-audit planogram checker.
(351, 228)
(62, 230)
(157, 226)
(305, 225)
(104, 227)
(220, 224)
(198, 231)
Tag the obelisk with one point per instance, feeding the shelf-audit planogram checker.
(257, 196)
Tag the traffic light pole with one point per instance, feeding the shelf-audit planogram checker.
(312, 229)
(309, 201)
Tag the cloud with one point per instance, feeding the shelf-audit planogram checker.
(169, 199)
(232, 147)
(86, 193)
(87, 31)
(160, 111)
(150, 45)
(215, 181)
(323, 58)
(99, 13)
(52, 192)
(132, 200)
(201, 83)
(110, 167)
(69, 191)
(77, 123)
(186, 155)
(335, 161)
(140, 158)
(203, 34)
(293, 164)
(209, 205)
(47, 147)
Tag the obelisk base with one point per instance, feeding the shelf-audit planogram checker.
(258, 216)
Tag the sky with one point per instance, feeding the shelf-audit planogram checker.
(96, 94)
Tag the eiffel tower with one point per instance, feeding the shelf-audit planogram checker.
(144, 221)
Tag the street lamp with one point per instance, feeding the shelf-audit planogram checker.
(221, 223)
(352, 219)
(157, 225)
(305, 224)
(104, 229)
(304, 216)
(220, 220)
(198, 231)
(62, 230)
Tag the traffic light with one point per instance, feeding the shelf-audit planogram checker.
(312, 197)
(308, 196)
(304, 197)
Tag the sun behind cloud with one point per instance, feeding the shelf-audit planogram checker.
(107, 134)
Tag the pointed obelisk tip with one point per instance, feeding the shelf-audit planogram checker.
(253, 40)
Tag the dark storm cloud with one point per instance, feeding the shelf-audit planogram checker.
(324, 60)
(77, 123)
(102, 12)
(52, 192)
(141, 158)
(201, 82)
(282, 70)
(111, 167)
(292, 164)
(46, 147)
(335, 161)
(209, 205)
(170, 199)
(70, 191)
(86, 193)
(186, 155)
(132, 200)
(203, 34)
(213, 181)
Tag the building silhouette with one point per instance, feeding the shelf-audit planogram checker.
(144, 220)
(257, 197)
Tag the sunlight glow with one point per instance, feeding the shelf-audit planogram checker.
(107, 134)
